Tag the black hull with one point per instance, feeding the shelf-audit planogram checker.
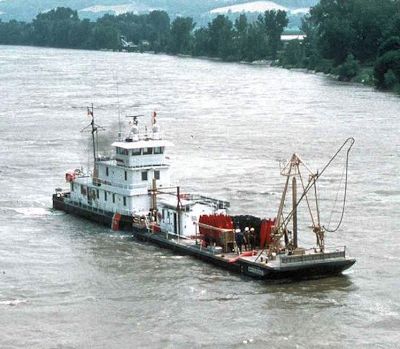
(204, 255)
(309, 271)
(101, 217)
(318, 270)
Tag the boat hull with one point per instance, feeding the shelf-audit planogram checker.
(98, 216)
(195, 251)
(300, 272)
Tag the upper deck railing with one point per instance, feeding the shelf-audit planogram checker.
(221, 204)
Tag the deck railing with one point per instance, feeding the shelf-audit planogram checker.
(312, 257)
(201, 198)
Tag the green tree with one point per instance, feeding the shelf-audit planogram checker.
(241, 29)
(256, 45)
(391, 79)
(370, 20)
(275, 22)
(387, 66)
(15, 33)
(181, 35)
(53, 28)
(391, 44)
(334, 33)
(221, 38)
(349, 69)
(159, 24)
(105, 36)
(352, 26)
(293, 55)
(201, 45)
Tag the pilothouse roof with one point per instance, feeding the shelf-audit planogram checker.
(137, 138)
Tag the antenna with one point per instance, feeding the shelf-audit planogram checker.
(115, 76)
(119, 116)
(94, 130)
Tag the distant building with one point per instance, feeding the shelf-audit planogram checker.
(290, 37)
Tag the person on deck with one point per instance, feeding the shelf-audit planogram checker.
(239, 240)
(252, 239)
(246, 238)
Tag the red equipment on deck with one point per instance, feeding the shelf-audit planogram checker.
(210, 235)
(265, 231)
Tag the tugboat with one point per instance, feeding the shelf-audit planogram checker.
(131, 191)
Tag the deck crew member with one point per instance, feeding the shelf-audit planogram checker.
(252, 238)
(246, 238)
(239, 239)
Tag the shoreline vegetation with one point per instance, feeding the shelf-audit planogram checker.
(353, 40)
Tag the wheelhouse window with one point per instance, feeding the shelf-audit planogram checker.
(136, 152)
(124, 201)
(107, 171)
(126, 175)
(122, 151)
(105, 196)
(158, 150)
(147, 151)
(113, 198)
(144, 175)
(97, 193)
(157, 174)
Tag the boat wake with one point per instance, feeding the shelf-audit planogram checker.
(13, 302)
(34, 211)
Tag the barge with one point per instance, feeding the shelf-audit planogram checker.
(131, 191)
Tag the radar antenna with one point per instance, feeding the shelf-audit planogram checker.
(134, 118)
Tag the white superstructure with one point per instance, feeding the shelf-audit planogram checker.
(135, 182)
(121, 184)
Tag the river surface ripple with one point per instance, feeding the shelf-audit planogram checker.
(68, 283)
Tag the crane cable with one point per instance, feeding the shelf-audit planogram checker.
(345, 191)
(337, 195)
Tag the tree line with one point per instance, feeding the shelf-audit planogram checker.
(353, 39)
(221, 38)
